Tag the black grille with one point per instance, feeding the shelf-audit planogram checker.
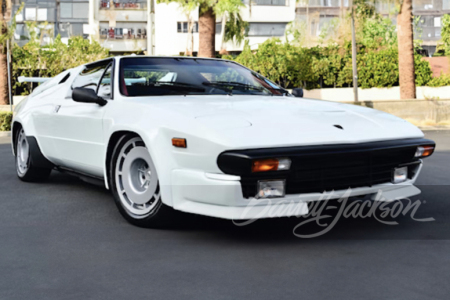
(335, 171)
(348, 170)
(324, 168)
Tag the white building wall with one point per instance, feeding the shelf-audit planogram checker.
(170, 42)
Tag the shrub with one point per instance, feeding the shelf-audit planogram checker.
(442, 80)
(33, 59)
(422, 70)
(328, 66)
(282, 63)
(378, 68)
(5, 121)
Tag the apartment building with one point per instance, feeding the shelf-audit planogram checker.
(126, 26)
(266, 18)
(430, 23)
(64, 17)
(317, 13)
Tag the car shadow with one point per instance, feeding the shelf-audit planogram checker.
(333, 225)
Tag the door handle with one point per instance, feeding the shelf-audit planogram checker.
(57, 107)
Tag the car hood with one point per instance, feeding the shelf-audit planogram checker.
(255, 121)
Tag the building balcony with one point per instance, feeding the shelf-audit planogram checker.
(123, 33)
(123, 5)
(278, 11)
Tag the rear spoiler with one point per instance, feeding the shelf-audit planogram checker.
(33, 79)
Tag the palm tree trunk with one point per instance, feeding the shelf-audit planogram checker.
(4, 96)
(406, 51)
(207, 32)
(223, 46)
(5, 16)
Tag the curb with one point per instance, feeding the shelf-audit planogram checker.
(5, 133)
(434, 128)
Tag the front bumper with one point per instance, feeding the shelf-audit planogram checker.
(325, 167)
(220, 195)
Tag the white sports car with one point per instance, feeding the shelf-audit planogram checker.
(210, 137)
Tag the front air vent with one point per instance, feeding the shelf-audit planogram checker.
(339, 126)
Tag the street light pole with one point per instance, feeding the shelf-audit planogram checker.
(354, 67)
(151, 27)
(8, 62)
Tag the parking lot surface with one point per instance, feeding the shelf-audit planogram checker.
(64, 239)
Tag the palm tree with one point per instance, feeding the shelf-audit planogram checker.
(206, 30)
(405, 39)
(207, 11)
(231, 19)
(207, 23)
(5, 17)
(188, 7)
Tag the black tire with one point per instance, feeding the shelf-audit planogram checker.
(26, 170)
(159, 214)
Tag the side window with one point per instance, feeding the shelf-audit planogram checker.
(90, 76)
(104, 89)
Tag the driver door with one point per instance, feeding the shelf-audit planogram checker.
(79, 136)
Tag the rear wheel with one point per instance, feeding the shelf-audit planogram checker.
(26, 171)
(135, 185)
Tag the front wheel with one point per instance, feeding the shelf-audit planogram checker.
(26, 170)
(135, 185)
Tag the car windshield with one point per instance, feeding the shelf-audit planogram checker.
(147, 76)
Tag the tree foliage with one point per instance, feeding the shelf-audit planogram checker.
(290, 64)
(328, 66)
(33, 59)
(277, 61)
(445, 35)
(236, 28)
(442, 80)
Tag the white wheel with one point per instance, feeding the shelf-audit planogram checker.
(134, 184)
(136, 179)
(23, 154)
(26, 169)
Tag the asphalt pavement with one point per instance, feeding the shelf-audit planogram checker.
(64, 239)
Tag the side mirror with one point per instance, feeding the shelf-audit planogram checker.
(85, 95)
(297, 92)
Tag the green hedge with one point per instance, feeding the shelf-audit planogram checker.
(5, 121)
(329, 66)
(442, 80)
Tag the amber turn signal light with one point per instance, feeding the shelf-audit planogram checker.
(424, 151)
(179, 143)
(271, 164)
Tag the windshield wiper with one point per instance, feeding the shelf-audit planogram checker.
(177, 86)
(230, 85)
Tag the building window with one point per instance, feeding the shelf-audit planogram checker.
(218, 28)
(323, 3)
(66, 10)
(66, 30)
(75, 10)
(183, 27)
(446, 4)
(423, 4)
(429, 28)
(266, 29)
